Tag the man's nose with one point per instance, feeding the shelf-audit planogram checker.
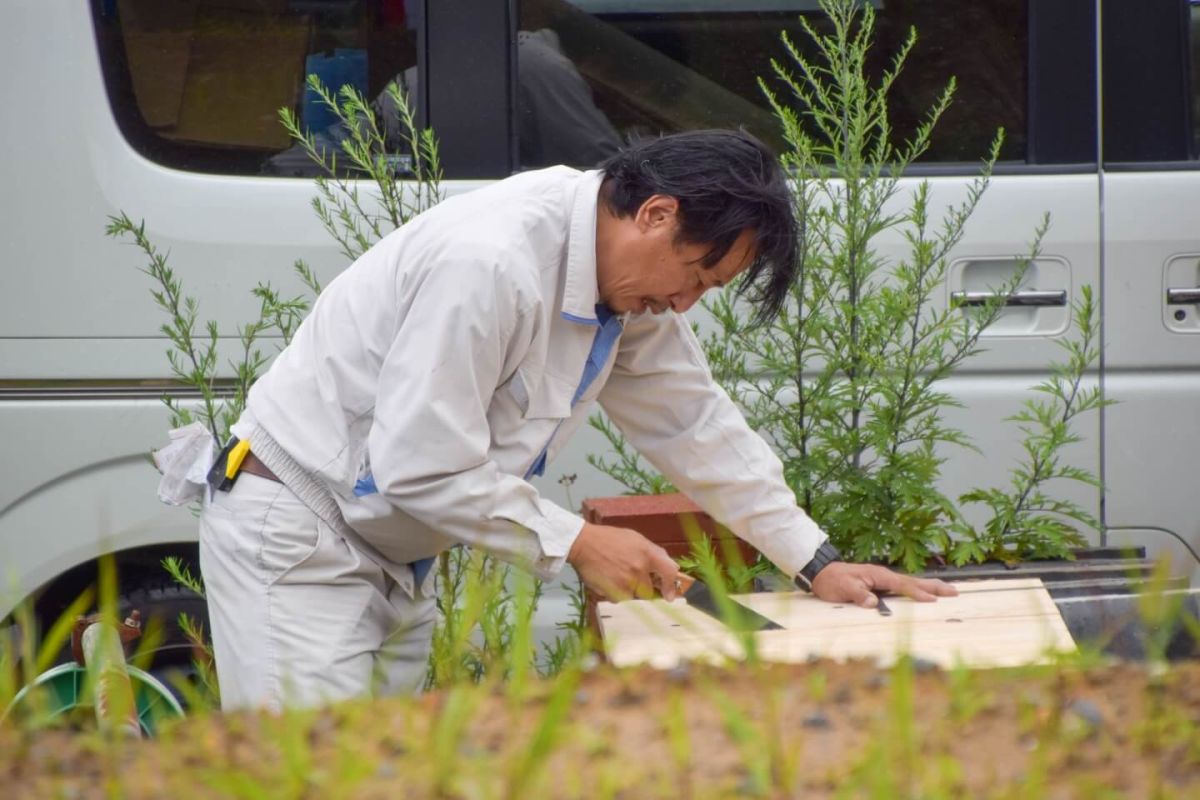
(682, 301)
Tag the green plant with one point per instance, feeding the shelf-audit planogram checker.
(750, 739)
(35, 693)
(404, 184)
(548, 731)
(846, 383)
(1025, 521)
(485, 627)
(721, 578)
(24, 655)
(679, 742)
(628, 468)
(737, 576)
(205, 692)
(967, 698)
(193, 354)
(356, 220)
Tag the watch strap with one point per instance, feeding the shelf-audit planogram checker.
(826, 554)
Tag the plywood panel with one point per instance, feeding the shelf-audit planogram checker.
(990, 624)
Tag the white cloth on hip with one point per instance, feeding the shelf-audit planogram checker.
(444, 362)
(299, 617)
(184, 464)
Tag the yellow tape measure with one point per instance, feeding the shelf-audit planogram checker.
(236, 456)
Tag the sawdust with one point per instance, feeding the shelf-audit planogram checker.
(814, 730)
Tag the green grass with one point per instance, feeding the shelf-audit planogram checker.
(498, 724)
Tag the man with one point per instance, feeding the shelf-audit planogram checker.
(449, 364)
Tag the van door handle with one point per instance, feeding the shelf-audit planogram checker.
(1057, 297)
(1183, 297)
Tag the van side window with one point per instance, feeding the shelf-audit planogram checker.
(592, 73)
(198, 84)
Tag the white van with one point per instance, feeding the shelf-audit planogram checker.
(166, 109)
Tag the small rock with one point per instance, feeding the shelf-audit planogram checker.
(322, 725)
(878, 680)
(749, 787)
(843, 695)
(582, 697)
(817, 720)
(1088, 713)
(924, 665)
(680, 673)
(626, 697)
(386, 771)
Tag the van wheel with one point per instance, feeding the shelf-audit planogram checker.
(161, 607)
(160, 601)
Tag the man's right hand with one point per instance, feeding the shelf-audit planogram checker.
(619, 563)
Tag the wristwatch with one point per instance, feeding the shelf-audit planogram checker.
(825, 555)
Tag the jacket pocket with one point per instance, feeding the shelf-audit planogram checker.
(541, 396)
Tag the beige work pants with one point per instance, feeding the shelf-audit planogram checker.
(298, 616)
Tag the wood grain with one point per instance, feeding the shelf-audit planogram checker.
(996, 623)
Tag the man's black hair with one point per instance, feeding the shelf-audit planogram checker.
(725, 182)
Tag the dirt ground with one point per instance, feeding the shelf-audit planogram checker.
(817, 730)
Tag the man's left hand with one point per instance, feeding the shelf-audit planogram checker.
(843, 582)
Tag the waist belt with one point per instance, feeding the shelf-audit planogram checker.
(252, 465)
(236, 458)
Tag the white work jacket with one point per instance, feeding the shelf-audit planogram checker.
(445, 360)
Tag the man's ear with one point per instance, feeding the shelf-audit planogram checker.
(657, 210)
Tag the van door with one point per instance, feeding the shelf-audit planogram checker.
(1151, 196)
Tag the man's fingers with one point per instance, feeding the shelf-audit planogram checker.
(668, 587)
(855, 583)
(654, 575)
(923, 590)
(665, 573)
(926, 590)
(938, 587)
(620, 563)
(867, 599)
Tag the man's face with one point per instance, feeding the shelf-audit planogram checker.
(641, 265)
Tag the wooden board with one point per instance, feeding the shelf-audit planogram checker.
(996, 623)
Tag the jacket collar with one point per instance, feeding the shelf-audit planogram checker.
(581, 292)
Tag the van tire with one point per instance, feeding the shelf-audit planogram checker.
(144, 585)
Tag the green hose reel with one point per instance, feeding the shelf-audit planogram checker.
(60, 691)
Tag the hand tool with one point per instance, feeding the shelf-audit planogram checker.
(884, 611)
(735, 615)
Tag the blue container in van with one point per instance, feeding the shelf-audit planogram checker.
(347, 66)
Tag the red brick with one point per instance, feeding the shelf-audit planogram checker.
(661, 519)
